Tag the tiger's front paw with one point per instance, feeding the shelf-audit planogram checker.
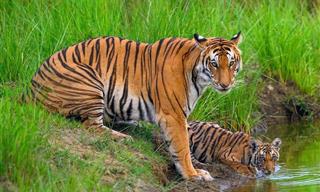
(249, 172)
(202, 175)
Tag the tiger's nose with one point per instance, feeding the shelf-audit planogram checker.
(267, 172)
(223, 85)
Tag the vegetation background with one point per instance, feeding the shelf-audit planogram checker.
(281, 41)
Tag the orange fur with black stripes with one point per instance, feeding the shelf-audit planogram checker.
(113, 79)
(211, 143)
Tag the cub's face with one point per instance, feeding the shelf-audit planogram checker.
(221, 61)
(266, 156)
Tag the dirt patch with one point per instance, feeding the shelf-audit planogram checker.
(7, 185)
(79, 142)
(89, 146)
(224, 179)
(73, 141)
(284, 103)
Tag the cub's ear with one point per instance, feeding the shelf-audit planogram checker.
(253, 145)
(276, 143)
(237, 38)
(201, 41)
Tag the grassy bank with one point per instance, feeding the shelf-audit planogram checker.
(280, 40)
(44, 152)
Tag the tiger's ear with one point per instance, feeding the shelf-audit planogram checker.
(201, 41)
(253, 145)
(237, 38)
(276, 143)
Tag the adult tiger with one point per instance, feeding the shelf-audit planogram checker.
(114, 79)
(209, 142)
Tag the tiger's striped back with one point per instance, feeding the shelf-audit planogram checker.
(208, 141)
(92, 72)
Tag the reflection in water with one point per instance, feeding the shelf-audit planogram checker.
(299, 161)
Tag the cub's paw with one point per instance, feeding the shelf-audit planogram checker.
(249, 172)
(202, 175)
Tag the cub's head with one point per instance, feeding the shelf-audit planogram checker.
(219, 62)
(266, 155)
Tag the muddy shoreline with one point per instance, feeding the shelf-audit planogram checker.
(284, 103)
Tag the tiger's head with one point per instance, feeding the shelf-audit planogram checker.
(265, 156)
(219, 62)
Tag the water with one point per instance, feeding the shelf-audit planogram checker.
(299, 164)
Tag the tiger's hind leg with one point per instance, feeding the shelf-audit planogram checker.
(76, 92)
(95, 125)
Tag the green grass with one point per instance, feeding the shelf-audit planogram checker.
(32, 162)
(280, 40)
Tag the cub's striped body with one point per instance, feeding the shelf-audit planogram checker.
(113, 79)
(209, 143)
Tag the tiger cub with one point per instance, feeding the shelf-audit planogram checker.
(209, 142)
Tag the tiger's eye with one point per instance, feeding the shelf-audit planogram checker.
(231, 63)
(214, 63)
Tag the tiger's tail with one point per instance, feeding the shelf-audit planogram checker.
(26, 96)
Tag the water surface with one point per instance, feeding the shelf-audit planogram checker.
(299, 164)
